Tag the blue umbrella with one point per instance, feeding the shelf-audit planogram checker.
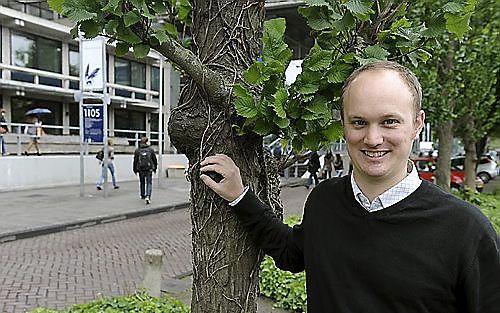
(38, 111)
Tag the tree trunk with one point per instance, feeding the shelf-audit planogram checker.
(470, 154)
(445, 138)
(226, 38)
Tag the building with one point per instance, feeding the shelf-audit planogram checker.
(40, 68)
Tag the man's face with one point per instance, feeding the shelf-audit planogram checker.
(380, 124)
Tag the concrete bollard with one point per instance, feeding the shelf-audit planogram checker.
(153, 262)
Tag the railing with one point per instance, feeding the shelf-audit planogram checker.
(71, 83)
(134, 139)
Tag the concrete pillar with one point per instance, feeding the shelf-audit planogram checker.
(111, 121)
(65, 117)
(65, 65)
(148, 124)
(171, 87)
(153, 262)
(7, 107)
(148, 81)
(6, 52)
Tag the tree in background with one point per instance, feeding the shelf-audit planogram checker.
(235, 94)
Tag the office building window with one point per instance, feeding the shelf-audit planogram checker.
(122, 72)
(155, 78)
(74, 61)
(19, 106)
(138, 75)
(36, 52)
(23, 50)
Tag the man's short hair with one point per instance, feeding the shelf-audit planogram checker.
(405, 74)
(144, 140)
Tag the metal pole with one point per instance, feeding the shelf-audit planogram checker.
(105, 119)
(160, 124)
(80, 110)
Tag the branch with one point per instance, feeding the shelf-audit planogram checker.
(208, 80)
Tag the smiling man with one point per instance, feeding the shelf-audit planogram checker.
(379, 240)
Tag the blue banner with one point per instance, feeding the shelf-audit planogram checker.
(93, 123)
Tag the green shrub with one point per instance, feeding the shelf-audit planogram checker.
(137, 303)
(286, 289)
(488, 203)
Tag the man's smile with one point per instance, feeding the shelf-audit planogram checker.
(374, 154)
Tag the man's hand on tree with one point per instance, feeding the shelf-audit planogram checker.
(230, 186)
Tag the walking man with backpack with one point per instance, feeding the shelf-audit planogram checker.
(145, 164)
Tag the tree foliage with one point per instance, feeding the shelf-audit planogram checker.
(347, 34)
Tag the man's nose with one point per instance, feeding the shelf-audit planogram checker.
(373, 136)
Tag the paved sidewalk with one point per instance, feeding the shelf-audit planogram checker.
(34, 212)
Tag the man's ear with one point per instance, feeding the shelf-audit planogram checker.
(419, 123)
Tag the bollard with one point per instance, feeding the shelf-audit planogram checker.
(153, 262)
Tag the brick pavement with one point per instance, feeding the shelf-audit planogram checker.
(76, 266)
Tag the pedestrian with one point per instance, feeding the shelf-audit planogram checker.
(3, 130)
(35, 131)
(111, 167)
(312, 167)
(328, 164)
(145, 164)
(380, 239)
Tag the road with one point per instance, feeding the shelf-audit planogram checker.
(76, 266)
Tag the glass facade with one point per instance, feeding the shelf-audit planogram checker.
(74, 61)
(130, 73)
(155, 78)
(138, 75)
(19, 106)
(36, 52)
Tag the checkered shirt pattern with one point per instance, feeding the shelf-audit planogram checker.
(392, 196)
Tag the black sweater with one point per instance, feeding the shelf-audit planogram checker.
(430, 252)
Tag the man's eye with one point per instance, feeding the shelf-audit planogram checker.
(358, 123)
(391, 121)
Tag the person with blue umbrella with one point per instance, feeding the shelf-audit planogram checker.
(35, 131)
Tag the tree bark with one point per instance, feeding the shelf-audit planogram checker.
(470, 154)
(226, 39)
(445, 138)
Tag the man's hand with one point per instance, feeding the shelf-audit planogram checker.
(231, 186)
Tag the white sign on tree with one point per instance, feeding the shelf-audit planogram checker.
(92, 67)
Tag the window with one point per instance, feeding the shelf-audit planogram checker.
(138, 75)
(36, 52)
(155, 78)
(19, 106)
(74, 61)
(23, 50)
(122, 72)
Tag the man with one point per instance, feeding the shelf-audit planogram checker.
(380, 239)
(3, 130)
(145, 164)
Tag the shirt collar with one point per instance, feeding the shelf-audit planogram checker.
(391, 196)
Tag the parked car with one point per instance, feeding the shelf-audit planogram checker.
(426, 167)
(486, 167)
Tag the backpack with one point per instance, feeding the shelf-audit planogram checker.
(144, 162)
(100, 155)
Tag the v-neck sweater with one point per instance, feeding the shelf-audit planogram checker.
(430, 252)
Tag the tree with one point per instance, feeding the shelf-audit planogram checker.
(235, 94)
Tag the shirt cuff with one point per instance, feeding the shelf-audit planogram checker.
(237, 200)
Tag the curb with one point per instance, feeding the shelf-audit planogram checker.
(44, 230)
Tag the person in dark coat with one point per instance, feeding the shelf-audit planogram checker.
(145, 164)
(312, 167)
(3, 130)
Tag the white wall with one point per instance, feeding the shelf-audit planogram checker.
(59, 170)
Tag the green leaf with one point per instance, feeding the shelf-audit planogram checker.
(77, 15)
(401, 23)
(130, 18)
(282, 122)
(159, 7)
(319, 60)
(56, 5)
(453, 7)
(90, 28)
(458, 24)
(307, 88)
(274, 30)
(122, 48)
(280, 98)
(244, 104)
(318, 105)
(111, 26)
(363, 61)
(334, 131)
(359, 8)
(338, 73)
(347, 22)
(262, 127)
(141, 50)
(253, 75)
(111, 6)
(376, 52)
(435, 27)
(127, 35)
(316, 18)
(316, 3)
(161, 36)
(171, 30)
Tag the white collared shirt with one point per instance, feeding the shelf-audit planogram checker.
(392, 196)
